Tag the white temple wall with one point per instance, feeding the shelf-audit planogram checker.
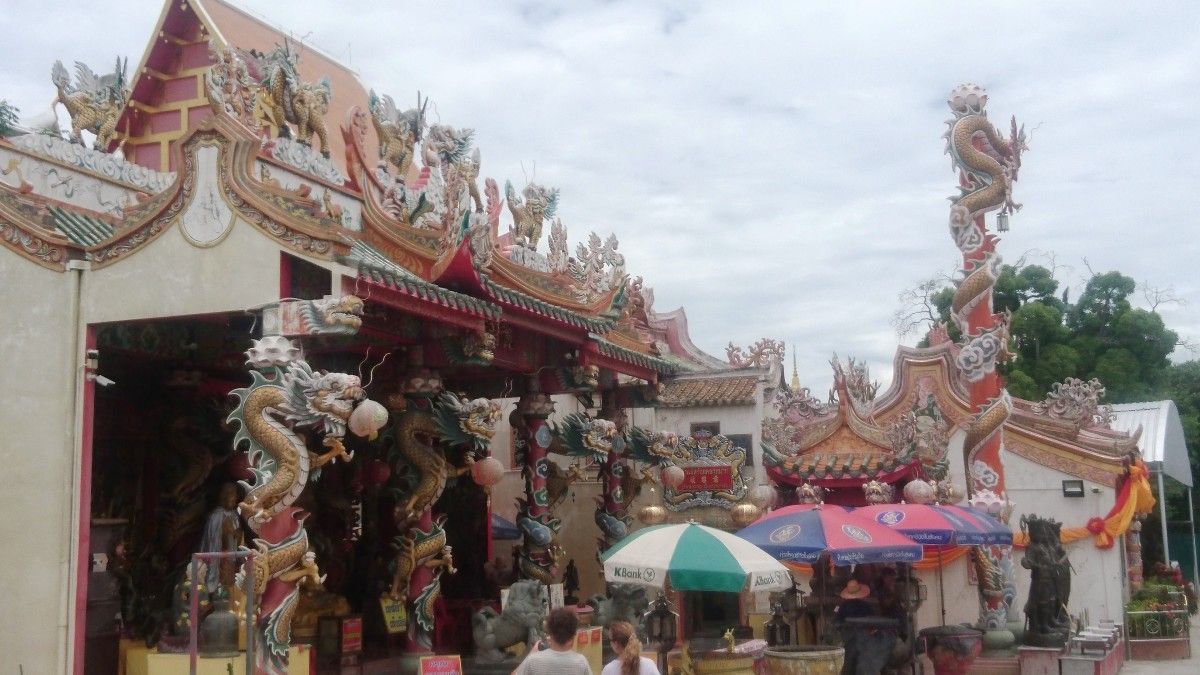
(1097, 585)
(1098, 582)
(38, 378)
(734, 419)
(170, 277)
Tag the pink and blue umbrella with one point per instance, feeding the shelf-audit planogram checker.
(939, 525)
(801, 533)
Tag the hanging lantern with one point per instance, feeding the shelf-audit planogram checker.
(1002, 222)
(377, 472)
(920, 492)
(763, 496)
(672, 476)
(743, 514)
(367, 419)
(239, 467)
(652, 514)
(487, 472)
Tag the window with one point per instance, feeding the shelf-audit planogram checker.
(710, 428)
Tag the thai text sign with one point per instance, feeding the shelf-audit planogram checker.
(441, 665)
(395, 615)
(706, 478)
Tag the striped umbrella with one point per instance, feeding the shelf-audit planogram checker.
(801, 533)
(936, 524)
(693, 557)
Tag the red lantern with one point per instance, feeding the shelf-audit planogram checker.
(377, 472)
(238, 467)
(487, 472)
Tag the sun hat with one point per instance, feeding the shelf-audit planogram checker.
(855, 591)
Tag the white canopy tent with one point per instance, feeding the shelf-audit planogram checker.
(1160, 439)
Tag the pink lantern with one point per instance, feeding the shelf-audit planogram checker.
(672, 476)
(487, 472)
(368, 418)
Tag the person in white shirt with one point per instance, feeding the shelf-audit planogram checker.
(560, 658)
(628, 650)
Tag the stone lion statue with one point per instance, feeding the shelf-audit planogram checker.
(521, 621)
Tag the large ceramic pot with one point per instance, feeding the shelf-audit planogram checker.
(804, 660)
(952, 649)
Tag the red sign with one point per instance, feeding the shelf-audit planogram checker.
(441, 665)
(596, 635)
(706, 478)
(352, 635)
(581, 638)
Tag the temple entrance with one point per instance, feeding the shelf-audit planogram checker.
(163, 483)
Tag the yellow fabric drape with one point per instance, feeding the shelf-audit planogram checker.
(1135, 499)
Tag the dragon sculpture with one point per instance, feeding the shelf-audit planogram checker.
(332, 316)
(94, 102)
(987, 165)
(428, 549)
(530, 213)
(285, 396)
(450, 149)
(422, 435)
(283, 99)
(398, 132)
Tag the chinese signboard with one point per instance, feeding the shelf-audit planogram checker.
(697, 478)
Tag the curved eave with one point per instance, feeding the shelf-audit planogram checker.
(834, 474)
(631, 357)
(515, 299)
(418, 289)
(547, 288)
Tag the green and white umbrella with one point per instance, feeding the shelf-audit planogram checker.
(693, 558)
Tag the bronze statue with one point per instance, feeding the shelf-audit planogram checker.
(1047, 622)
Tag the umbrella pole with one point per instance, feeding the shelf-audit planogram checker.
(941, 587)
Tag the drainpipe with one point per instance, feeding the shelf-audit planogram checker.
(68, 570)
(1192, 530)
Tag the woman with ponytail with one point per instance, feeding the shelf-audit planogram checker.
(628, 650)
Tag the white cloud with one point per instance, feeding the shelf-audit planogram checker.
(776, 168)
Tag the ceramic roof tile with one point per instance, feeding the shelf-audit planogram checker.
(710, 391)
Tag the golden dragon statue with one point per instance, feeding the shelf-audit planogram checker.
(422, 437)
(285, 396)
(282, 98)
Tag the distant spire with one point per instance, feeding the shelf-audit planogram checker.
(795, 372)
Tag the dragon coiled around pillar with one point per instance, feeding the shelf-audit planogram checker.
(987, 161)
(422, 438)
(983, 426)
(268, 411)
(285, 396)
(421, 548)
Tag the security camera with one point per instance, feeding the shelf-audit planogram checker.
(100, 380)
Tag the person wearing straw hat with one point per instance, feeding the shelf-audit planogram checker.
(854, 605)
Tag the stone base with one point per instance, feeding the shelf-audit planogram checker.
(1076, 664)
(1158, 650)
(999, 643)
(1038, 660)
(995, 665)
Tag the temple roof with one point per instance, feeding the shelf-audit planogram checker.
(703, 390)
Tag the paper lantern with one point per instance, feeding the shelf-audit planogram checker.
(672, 476)
(487, 472)
(920, 492)
(652, 514)
(743, 514)
(763, 496)
(377, 472)
(368, 418)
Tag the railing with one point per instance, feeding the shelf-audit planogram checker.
(1160, 625)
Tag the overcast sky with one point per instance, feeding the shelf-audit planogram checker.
(777, 169)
